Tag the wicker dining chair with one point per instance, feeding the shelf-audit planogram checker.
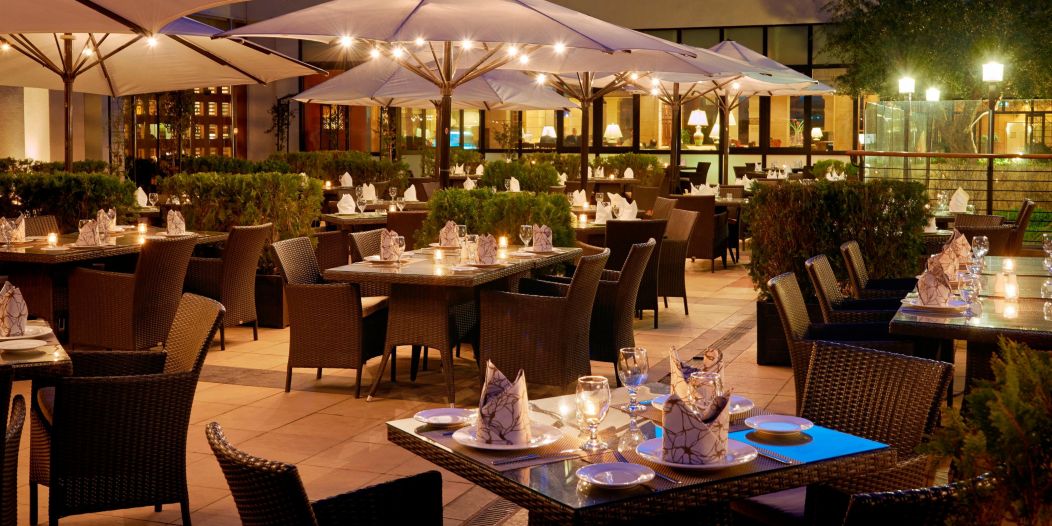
(363, 245)
(645, 197)
(41, 225)
(1022, 222)
(838, 309)
(709, 240)
(800, 333)
(333, 249)
(547, 337)
(406, 224)
(1000, 237)
(330, 324)
(927, 506)
(113, 436)
(430, 187)
(974, 220)
(231, 279)
(662, 208)
(113, 310)
(620, 237)
(673, 262)
(270, 493)
(12, 439)
(864, 287)
(884, 397)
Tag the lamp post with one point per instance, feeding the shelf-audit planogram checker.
(931, 95)
(906, 87)
(993, 74)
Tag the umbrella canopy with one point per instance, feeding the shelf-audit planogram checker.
(187, 54)
(385, 83)
(782, 81)
(145, 17)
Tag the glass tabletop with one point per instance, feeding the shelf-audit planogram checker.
(1028, 286)
(1023, 266)
(988, 316)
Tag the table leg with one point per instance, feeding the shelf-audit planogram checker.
(978, 365)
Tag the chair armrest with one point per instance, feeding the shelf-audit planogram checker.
(497, 302)
(385, 503)
(117, 363)
(543, 287)
(827, 503)
(557, 279)
(861, 316)
(848, 331)
(610, 275)
(204, 276)
(891, 304)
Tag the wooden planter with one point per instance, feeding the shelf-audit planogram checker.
(270, 301)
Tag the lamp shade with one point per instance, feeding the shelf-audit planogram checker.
(817, 133)
(548, 131)
(907, 85)
(613, 132)
(993, 72)
(698, 118)
(932, 94)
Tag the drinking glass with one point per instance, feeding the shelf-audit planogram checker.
(967, 286)
(615, 211)
(632, 367)
(152, 198)
(462, 232)
(507, 185)
(593, 402)
(399, 248)
(1046, 243)
(705, 387)
(525, 234)
(358, 192)
(599, 199)
(980, 246)
(400, 203)
(392, 191)
(1046, 289)
(1047, 310)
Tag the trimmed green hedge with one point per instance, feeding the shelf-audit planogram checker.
(12, 165)
(330, 165)
(793, 221)
(567, 163)
(232, 165)
(69, 197)
(646, 168)
(532, 177)
(500, 213)
(821, 167)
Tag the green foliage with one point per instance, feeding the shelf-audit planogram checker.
(647, 168)
(363, 167)
(941, 43)
(564, 163)
(469, 158)
(221, 201)
(12, 165)
(532, 177)
(69, 197)
(501, 213)
(793, 221)
(232, 165)
(821, 167)
(1006, 431)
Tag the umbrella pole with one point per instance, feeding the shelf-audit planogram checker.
(442, 157)
(586, 121)
(677, 115)
(67, 84)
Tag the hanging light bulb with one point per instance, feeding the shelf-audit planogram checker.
(513, 51)
(634, 76)
(654, 92)
(466, 44)
(398, 52)
(88, 52)
(524, 59)
(419, 41)
(151, 41)
(655, 82)
(4, 46)
(560, 48)
(542, 78)
(374, 53)
(735, 85)
(346, 41)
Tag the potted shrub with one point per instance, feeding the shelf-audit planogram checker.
(69, 197)
(794, 221)
(501, 213)
(532, 177)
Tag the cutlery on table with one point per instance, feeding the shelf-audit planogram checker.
(777, 457)
(566, 454)
(621, 458)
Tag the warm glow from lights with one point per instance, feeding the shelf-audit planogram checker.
(419, 41)
(88, 52)
(542, 78)
(524, 59)
(634, 76)
(736, 85)
(374, 52)
(655, 82)
(654, 91)
(1008, 265)
(993, 72)
(151, 41)
(907, 85)
(932, 94)
(5, 46)
(466, 44)
(346, 41)
(560, 48)
(398, 52)
(513, 51)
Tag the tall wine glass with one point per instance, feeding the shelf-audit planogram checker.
(980, 246)
(525, 234)
(632, 367)
(392, 191)
(599, 198)
(399, 248)
(507, 185)
(359, 191)
(462, 232)
(400, 203)
(593, 402)
(152, 198)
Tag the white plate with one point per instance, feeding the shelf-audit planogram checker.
(32, 331)
(954, 305)
(54, 249)
(484, 265)
(464, 268)
(445, 416)
(436, 245)
(184, 234)
(377, 261)
(542, 436)
(22, 345)
(523, 254)
(738, 453)
(615, 475)
(779, 424)
(739, 404)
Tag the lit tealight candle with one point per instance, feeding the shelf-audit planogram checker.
(502, 254)
(438, 255)
(328, 185)
(582, 220)
(52, 240)
(585, 206)
(1011, 291)
(142, 240)
(1011, 311)
(1009, 265)
(392, 208)
(142, 228)
(502, 242)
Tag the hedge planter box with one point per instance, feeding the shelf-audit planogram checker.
(771, 348)
(270, 301)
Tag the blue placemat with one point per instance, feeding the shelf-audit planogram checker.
(817, 443)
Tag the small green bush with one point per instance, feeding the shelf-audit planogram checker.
(832, 165)
(793, 221)
(69, 197)
(646, 168)
(564, 163)
(500, 214)
(532, 177)
(12, 165)
(232, 165)
(330, 165)
(469, 158)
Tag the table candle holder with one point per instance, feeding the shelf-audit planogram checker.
(1008, 265)
(52, 240)
(502, 242)
(582, 220)
(141, 227)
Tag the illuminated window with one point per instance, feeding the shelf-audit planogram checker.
(787, 44)
(199, 131)
(502, 130)
(212, 108)
(226, 131)
(197, 108)
(152, 105)
(538, 129)
(225, 109)
(833, 114)
(787, 122)
(655, 123)
(225, 90)
(213, 132)
(572, 128)
(618, 125)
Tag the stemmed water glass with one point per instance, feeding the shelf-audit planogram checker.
(400, 203)
(632, 367)
(152, 198)
(392, 191)
(593, 402)
(525, 234)
(1046, 243)
(968, 287)
(399, 248)
(358, 192)
(980, 246)
(705, 387)
(507, 185)
(598, 199)
(462, 232)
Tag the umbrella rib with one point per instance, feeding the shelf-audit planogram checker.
(469, 73)
(102, 65)
(213, 57)
(114, 16)
(545, 15)
(406, 19)
(31, 53)
(265, 50)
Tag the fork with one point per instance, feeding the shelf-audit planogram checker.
(778, 457)
(621, 458)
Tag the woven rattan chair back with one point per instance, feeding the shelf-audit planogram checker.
(663, 207)
(1015, 245)
(365, 244)
(333, 249)
(792, 311)
(620, 237)
(827, 288)
(620, 307)
(710, 234)
(266, 493)
(857, 274)
(159, 276)
(240, 262)
(974, 220)
(296, 261)
(931, 506)
(886, 397)
(681, 225)
(644, 197)
(701, 174)
(740, 171)
(12, 439)
(579, 302)
(195, 324)
(41, 225)
(1000, 237)
(406, 224)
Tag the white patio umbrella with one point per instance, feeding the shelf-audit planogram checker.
(125, 47)
(451, 42)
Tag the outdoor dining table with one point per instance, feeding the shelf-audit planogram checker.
(423, 293)
(357, 221)
(548, 488)
(1029, 266)
(41, 274)
(48, 360)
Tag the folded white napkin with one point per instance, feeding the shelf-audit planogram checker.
(346, 180)
(542, 238)
(702, 190)
(13, 310)
(616, 199)
(513, 185)
(628, 212)
(931, 226)
(480, 169)
(933, 287)
(947, 259)
(487, 250)
(346, 204)
(410, 193)
(562, 178)
(629, 174)
(469, 184)
(18, 229)
(88, 235)
(747, 184)
(603, 213)
(176, 224)
(388, 250)
(600, 173)
(756, 167)
(960, 246)
(695, 437)
(579, 198)
(141, 198)
(447, 237)
(458, 169)
(959, 201)
(368, 192)
(504, 409)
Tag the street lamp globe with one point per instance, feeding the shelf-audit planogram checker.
(907, 85)
(932, 94)
(993, 72)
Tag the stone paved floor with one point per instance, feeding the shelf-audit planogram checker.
(338, 442)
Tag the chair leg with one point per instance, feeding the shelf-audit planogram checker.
(724, 258)
(394, 363)
(184, 509)
(686, 310)
(414, 362)
(288, 379)
(425, 352)
(666, 302)
(158, 508)
(358, 381)
(255, 330)
(712, 265)
(33, 515)
(222, 337)
(319, 373)
(655, 318)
